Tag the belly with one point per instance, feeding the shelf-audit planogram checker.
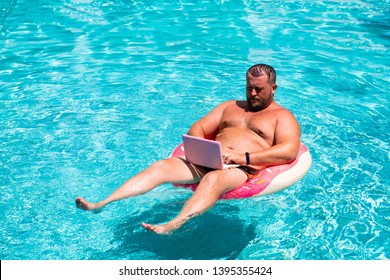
(241, 139)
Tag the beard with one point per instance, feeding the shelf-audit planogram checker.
(256, 105)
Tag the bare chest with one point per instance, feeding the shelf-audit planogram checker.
(262, 123)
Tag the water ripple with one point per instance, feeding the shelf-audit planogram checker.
(89, 87)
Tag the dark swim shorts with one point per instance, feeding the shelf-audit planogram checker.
(249, 171)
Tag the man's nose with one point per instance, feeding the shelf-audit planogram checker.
(253, 92)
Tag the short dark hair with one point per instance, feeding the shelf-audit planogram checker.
(258, 70)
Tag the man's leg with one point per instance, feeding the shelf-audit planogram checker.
(160, 172)
(210, 189)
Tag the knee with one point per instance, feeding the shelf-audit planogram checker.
(212, 180)
(159, 166)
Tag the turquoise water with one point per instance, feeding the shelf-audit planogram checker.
(94, 91)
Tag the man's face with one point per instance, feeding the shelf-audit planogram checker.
(259, 92)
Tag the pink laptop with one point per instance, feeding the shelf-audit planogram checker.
(204, 152)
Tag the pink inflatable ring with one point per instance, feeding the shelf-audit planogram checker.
(270, 180)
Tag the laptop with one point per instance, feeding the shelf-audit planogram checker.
(204, 152)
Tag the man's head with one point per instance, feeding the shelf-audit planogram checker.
(263, 70)
(260, 86)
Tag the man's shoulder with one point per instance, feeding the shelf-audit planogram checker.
(237, 103)
(286, 116)
(282, 112)
(279, 108)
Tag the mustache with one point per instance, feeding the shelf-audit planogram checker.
(255, 106)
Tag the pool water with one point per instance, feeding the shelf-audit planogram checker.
(94, 91)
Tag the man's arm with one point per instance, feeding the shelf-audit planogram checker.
(285, 148)
(209, 124)
(286, 139)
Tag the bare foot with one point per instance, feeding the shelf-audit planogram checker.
(170, 226)
(85, 205)
(159, 229)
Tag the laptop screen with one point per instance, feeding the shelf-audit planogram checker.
(203, 152)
